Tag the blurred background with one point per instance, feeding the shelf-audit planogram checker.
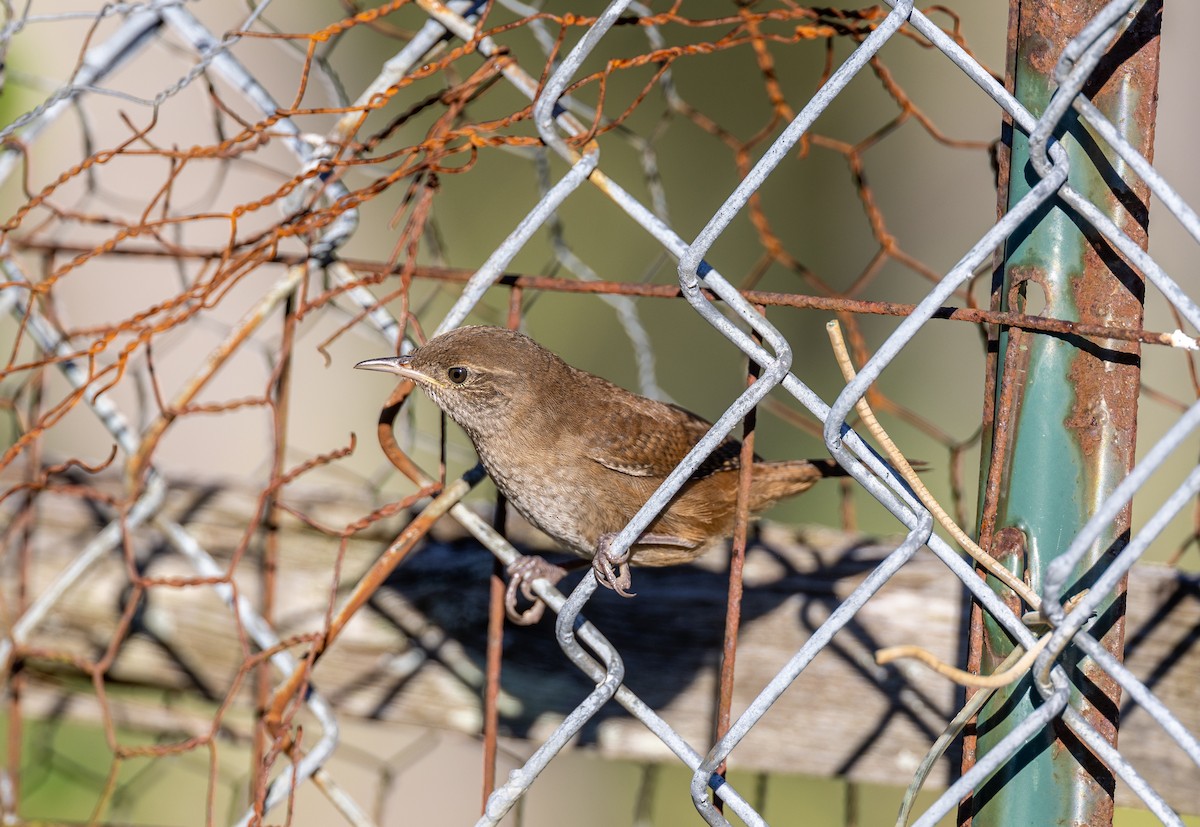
(157, 212)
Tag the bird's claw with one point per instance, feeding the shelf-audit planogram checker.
(521, 574)
(612, 570)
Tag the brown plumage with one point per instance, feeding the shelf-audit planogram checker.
(578, 455)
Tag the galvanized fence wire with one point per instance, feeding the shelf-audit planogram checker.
(323, 207)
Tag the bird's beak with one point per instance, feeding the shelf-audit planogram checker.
(393, 364)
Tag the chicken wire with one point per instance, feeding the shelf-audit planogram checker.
(328, 153)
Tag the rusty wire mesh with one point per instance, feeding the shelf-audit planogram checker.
(206, 204)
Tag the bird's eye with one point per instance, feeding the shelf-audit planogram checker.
(457, 374)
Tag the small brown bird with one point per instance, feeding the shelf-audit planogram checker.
(578, 455)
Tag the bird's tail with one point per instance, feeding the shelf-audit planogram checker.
(774, 481)
(827, 467)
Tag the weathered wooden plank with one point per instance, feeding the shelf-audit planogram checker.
(416, 653)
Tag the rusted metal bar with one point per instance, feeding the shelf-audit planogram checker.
(494, 655)
(495, 628)
(1061, 411)
(272, 514)
(24, 524)
(737, 560)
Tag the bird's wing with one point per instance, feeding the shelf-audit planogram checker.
(649, 440)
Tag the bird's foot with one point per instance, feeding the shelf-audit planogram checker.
(612, 570)
(521, 574)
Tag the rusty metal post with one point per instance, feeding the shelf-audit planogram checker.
(1061, 410)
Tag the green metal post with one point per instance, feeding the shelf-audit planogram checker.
(1061, 411)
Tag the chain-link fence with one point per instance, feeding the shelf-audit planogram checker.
(214, 212)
